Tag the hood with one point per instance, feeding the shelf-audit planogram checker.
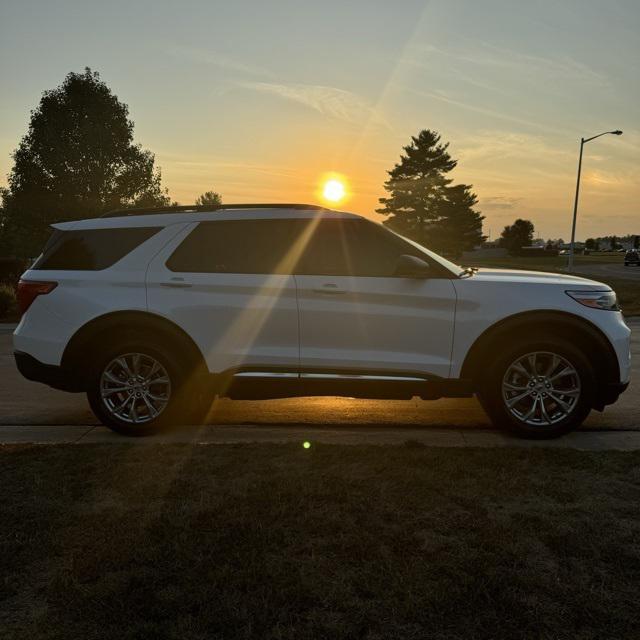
(537, 277)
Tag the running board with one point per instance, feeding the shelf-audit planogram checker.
(245, 385)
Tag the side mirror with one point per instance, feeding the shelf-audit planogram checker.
(411, 267)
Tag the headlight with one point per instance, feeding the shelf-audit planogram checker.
(596, 299)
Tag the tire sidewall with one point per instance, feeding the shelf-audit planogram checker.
(492, 399)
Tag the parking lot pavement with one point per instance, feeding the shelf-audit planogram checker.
(28, 404)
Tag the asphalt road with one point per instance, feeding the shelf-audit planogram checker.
(29, 403)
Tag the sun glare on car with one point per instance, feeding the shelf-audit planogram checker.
(334, 190)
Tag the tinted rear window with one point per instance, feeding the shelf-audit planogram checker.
(239, 246)
(90, 249)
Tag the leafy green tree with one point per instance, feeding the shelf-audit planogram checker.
(209, 198)
(636, 242)
(613, 243)
(591, 244)
(424, 206)
(77, 160)
(517, 235)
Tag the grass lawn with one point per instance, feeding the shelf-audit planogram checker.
(275, 541)
(628, 290)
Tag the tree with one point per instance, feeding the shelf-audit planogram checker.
(423, 205)
(209, 198)
(77, 160)
(591, 244)
(613, 243)
(517, 235)
(636, 242)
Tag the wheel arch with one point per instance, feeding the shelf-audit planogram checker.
(576, 329)
(74, 358)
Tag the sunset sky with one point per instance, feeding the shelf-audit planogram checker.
(261, 100)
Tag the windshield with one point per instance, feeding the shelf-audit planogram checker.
(447, 264)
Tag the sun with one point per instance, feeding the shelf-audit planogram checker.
(334, 190)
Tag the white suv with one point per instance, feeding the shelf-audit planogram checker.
(153, 312)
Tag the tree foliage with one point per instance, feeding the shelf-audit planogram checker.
(209, 198)
(517, 235)
(423, 204)
(77, 160)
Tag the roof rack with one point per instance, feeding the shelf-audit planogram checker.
(199, 208)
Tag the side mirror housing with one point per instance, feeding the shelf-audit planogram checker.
(411, 267)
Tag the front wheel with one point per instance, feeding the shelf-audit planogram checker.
(539, 390)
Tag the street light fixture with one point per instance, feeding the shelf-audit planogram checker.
(617, 132)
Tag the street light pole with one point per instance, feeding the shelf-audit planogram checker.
(583, 141)
(575, 208)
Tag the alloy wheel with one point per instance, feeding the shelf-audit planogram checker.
(135, 388)
(541, 388)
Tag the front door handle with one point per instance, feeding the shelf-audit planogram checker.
(329, 288)
(176, 283)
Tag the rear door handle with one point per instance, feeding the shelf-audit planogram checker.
(329, 288)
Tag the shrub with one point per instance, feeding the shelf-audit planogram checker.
(8, 302)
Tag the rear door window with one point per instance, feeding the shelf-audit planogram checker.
(90, 249)
(239, 246)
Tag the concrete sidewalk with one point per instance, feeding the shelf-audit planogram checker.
(231, 434)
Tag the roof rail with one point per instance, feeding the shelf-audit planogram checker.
(199, 208)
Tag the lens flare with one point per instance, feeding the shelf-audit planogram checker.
(306, 444)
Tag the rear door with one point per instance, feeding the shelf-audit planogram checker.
(355, 315)
(228, 285)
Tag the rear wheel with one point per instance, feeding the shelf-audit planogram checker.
(539, 390)
(140, 387)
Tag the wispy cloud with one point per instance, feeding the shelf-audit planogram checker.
(493, 113)
(499, 203)
(217, 165)
(483, 54)
(491, 144)
(338, 104)
(216, 59)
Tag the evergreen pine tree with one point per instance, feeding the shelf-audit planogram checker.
(424, 206)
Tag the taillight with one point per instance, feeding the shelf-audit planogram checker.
(28, 290)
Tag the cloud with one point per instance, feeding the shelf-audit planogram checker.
(496, 144)
(212, 58)
(329, 101)
(492, 113)
(487, 55)
(499, 202)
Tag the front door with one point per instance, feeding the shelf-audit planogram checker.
(356, 316)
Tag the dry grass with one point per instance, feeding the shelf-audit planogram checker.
(275, 541)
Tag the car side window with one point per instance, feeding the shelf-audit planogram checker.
(236, 246)
(90, 249)
(353, 248)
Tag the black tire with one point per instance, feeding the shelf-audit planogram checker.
(177, 409)
(492, 393)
